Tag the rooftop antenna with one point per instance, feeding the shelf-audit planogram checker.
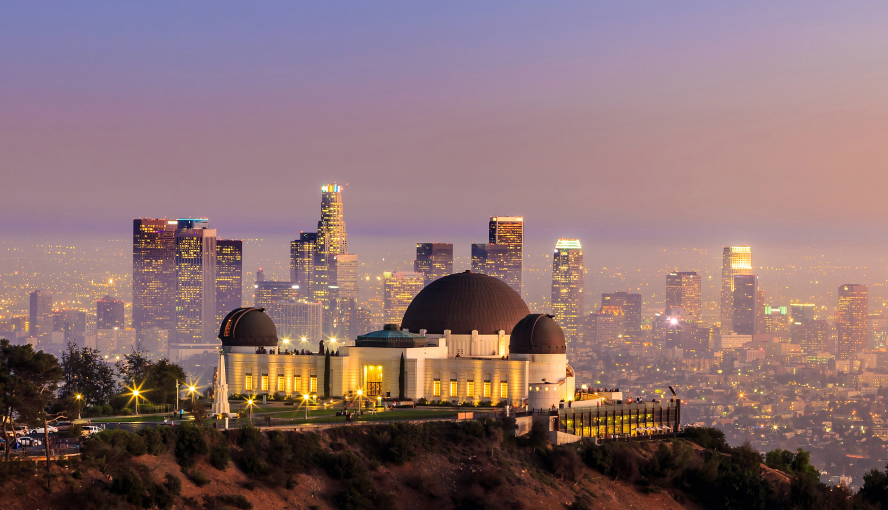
(673, 391)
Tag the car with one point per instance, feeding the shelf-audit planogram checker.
(40, 430)
(89, 430)
(63, 425)
(27, 441)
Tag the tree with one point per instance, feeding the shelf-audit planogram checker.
(327, 375)
(86, 374)
(159, 385)
(133, 368)
(34, 378)
(402, 379)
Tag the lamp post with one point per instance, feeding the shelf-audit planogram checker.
(360, 403)
(192, 389)
(250, 408)
(378, 401)
(305, 404)
(136, 396)
(77, 398)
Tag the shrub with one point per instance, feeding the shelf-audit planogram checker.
(253, 466)
(565, 463)
(124, 440)
(199, 479)
(129, 485)
(401, 449)
(157, 439)
(220, 456)
(75, 431)
(708, 437)
(345, 466)
(190, 444)
(249, 435)
(173, 484)
(231, 500)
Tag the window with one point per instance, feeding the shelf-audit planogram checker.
(504, 389)
(436, 388)
(297, 383)
(454, 387)
(248, 382)
(313, 384)
(282, 384)
(264, 382)
(485, 390)
(470, 389)
(373, 380)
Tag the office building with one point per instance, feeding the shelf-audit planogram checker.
(399, 289)
(229, 276)
(568, 289)
(299, 324)
(744, 304)
(154, 274)
(852, 320)
(736, 260)
(683, 290)
(490, 260)
(302, 254)
(507, 231)
(630, 304)
(269, 292)
(812, 335)
(195, 289)
(759, 327)
(433, 260)
(778, 323)
(802, 312)
(109, 313)
(40, 318)
(260, 275)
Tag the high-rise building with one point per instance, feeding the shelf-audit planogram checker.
(299, 323)
(736, 260)
(490, 259)
(109, 313)
(801, 312)
(196, 327)
(269, 292)
(154, 274)
(568, 289)
(759, 327)
(434, 260)
(778, 323)
(852, 320)
(812, 335)
(683, 290)
(507, 231)
(260, 276)
(630, 304)
(302, 255)
(399, 289)
(744, 304)
(229, 276)
(331, 241)
(40, 319)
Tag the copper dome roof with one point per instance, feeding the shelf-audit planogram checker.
(464, 302)
(248, 327)
(537, 334)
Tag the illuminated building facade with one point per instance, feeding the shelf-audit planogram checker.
(507, 231)
(630, 304)
(299, 324)
(40, 318)
(302, 255)
(778, 322)
(195, 288)
(812, 335)
(852, 320)
(683, 290)
(399, 289)
(109, 313)
(434, 260)
(744, 304)
(736, 260)
(490, 259)
(154, 275)
(568, 289)
(229, 276)
(267, 293)
(331, 241)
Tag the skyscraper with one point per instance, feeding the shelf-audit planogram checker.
(433, 260)
(852, 320)
(109, 313)
(630, 304)
(40, 318)
(302, 253)
(744, 304)
(778, 322)
(229, 276)
(683, 290)
(299, 322)
(154, 275)
(399, 289)
(507, 231)
(736, 260)
(269, 292)
(490, 259)
(196, 326)
(568, 289)
(331, 241)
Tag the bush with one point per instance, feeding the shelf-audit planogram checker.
(157, 439)
(565, 463)
(220, 456)
(345, 466)
(129, 485)
(708, 437)
(173, 484)
(231, 500)
(124, 440)
(190, 444)
(75, 431)
(199, 479)
(249, 435)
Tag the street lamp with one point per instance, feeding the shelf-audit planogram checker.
(305, 404)
(192, 389)
(136, 396)
(250, 407)
(360, 403)
(378, 401)
(78, 397)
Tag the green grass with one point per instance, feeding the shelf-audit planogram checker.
(133, 419)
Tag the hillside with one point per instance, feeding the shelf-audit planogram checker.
(436, 465)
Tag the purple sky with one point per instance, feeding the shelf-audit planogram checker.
(596, 120)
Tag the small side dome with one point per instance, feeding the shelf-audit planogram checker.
(537, 334)
(248, 327)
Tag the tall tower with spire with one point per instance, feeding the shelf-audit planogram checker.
(220, 389)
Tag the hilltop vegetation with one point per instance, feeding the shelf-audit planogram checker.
(460, 465)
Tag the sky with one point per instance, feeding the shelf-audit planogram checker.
(706, 123)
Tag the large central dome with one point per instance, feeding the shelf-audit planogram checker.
(464, 302)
